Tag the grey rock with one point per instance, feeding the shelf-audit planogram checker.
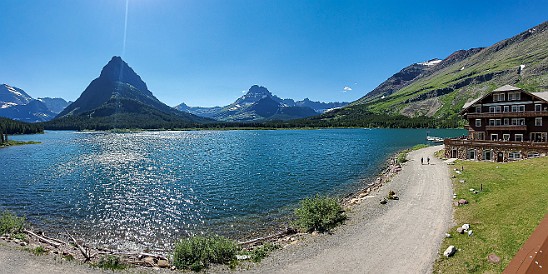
(493, 258)
(460, 230)
(163, 263)
(243, 257)
(450, 251)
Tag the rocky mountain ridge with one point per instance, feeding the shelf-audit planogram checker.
(16, 104)
(260, 104)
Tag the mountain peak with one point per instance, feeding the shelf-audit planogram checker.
(117, 70)
(258, 90)
(254, 94)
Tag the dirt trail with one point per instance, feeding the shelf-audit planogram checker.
(401, 237)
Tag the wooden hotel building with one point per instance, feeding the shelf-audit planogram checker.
(505, 124)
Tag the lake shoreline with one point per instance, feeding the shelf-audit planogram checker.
(66, 245)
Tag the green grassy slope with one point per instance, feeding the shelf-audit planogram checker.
(442, 94)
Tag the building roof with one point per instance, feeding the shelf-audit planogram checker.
(541, 95)
(506, 88)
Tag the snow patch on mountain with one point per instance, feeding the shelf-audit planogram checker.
(430, 63)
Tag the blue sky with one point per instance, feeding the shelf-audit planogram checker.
(206, 52)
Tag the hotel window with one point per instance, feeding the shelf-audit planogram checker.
(480, 136)
(491, 122)
(478, 122)
(498, 97)
(471, 154)
(538, 121)
(478, 109)
(521, 108)
(494, 137)
(514, 108)
(506, 137)
(491, 109)
(514, 96)
(506, 108)
(538, 107)
(514, 155)
(518, 137)
(506, 121)
(498, 122)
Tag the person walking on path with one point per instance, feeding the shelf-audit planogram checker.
(428, 160)
(422, 160)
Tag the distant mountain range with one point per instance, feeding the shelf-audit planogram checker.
(258, 104)
(16, 104)
(439, 88)
(119, 98)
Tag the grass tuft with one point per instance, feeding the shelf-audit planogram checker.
(110, 262)
(39, 250)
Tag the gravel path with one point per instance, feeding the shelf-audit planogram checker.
(13, 260)
(401, 237)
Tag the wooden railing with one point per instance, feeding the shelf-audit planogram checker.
(505, 144)
(507, 114)
(506, 127)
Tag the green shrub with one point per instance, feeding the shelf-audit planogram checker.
(198, 252)
(259, 253)
(20, 236)
(10, 223)
(402, 157)
(319, 214)
(110, 262)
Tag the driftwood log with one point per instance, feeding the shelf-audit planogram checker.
(288, 231)
(43, 239)
(82, 249)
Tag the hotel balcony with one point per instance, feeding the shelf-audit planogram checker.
(501, 144)
(508, 114)
(506, 127)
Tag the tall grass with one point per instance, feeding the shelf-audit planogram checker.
(10, 223)
(199, 252)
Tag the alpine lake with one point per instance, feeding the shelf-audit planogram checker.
(145, 190)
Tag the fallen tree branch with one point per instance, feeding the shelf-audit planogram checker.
(82, 250)
(42, 239)
(277, 235)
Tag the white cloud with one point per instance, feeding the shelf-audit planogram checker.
(347, 88)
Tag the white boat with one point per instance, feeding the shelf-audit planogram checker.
(434, 139)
